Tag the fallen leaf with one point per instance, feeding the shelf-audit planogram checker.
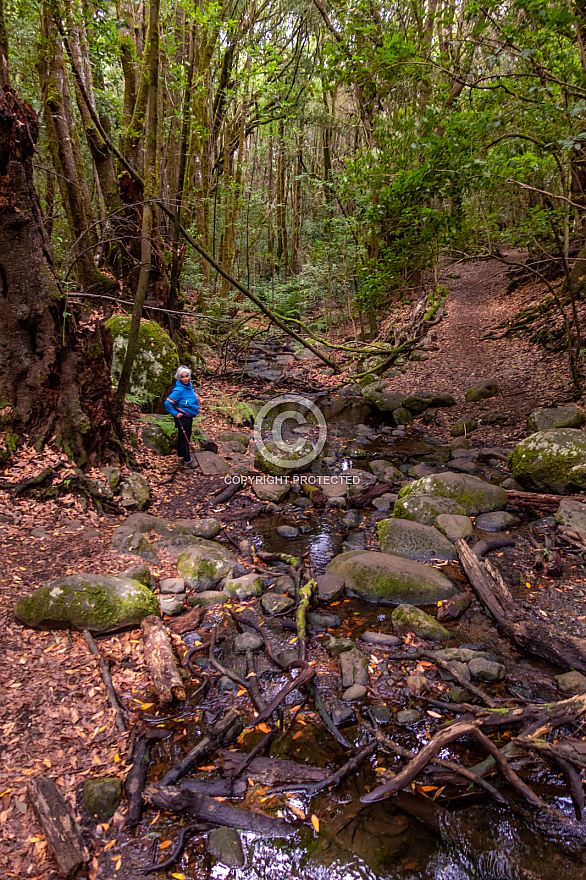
(315, 823)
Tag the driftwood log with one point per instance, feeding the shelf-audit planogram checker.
(526, 632)
(58, 825)
(206, 809)
(270, 771)
(160, 660)
(136, 781)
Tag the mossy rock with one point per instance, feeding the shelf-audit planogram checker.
(156, 360)
(160, 434)
(102, 797)
(383, 401)
(551, 461)
(473, 494)
(407, 619)
(134, 492)
(98, 602)
(390, 580)
(412, 540)
(272, 460)
(548, 418)
(482, 390)
(425, 508)
(203, 564)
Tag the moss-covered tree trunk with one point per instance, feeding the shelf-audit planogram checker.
(54, 381)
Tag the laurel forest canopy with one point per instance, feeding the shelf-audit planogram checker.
(324, 154)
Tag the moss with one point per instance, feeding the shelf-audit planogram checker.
(551, 459)
(155, 363)
(473, 494)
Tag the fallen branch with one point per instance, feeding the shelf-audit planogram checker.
(58, 825)
(207, 744)
(136, 781)
(196, 828)
(107, 679)
(160, 661)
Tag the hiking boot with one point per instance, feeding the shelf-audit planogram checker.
(189, 465)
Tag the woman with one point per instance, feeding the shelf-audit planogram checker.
(184, 405)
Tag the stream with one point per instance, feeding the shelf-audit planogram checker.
(352, 841)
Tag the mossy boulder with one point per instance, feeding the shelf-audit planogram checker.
(134, 492)
(98, 602)
(174, 535)
(156, 360)
(376, 397)
(547, 418)
(412, 540)
(203, 564)
(390, 580)
(551, 461)
(276, 462)
(426, 508)
(482, 390)
(406, 619)
(249, 586)
(473, 494)
(160, 434)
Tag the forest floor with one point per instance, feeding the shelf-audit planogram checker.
(55, 718)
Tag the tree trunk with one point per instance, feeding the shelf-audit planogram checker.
(54, 383)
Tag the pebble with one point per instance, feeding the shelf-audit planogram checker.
(381, 714)
(247, 642)
(408, 716)
(343, 715)
(417, 684)
(355, 692)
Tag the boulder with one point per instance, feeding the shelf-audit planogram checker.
(160, 435)
(329, 588)
(142, 574)
(482, 669)
(155, 362)
(454, 527)
(390, 580)
(482, 390)
(382, 400)
(204, 563)
(235, 437)
(473, 494)
(171, 604)
(497, 521)
(551, 461)
(403, 416)
(381, 468)
(270, 490)
(425, 509)
(406, 619)
(98, 602)
(546, 418)
(249, 586)
(572, 515)
(270, 459)
(248, 641)
(134, 492)
(412, 540)
(130, 536)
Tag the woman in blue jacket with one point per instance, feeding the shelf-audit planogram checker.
(184, 405)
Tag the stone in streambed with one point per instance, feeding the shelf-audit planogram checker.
(486, 670)
(407, 618)
(546, 418)
(224, 844)
(273, 603)
(412, 540)
(571, 683)
(247, 587)
(171, 605)
(380, 640)
(406, 717)
(473, 494)
(482, 390)
(455, 527)
(248, 641)
(329, 588)
(425, 509)
(354, 668)
(102, 797)
(551, 461)
(354, 693)
(497, 521)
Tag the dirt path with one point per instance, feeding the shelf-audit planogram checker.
(527, 375)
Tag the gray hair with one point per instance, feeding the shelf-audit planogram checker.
(182, 369)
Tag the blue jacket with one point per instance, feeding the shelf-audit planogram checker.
(183, 398)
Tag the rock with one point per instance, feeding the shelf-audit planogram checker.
(329, 588)
(381, 714)
(425, 509)
(155, 362)
(204, 563)
(129, 537)
(102, 797)
(351, 519)
(454, 526)
(380, 400)
(381, 466)
(134, 492)
(285, 584)
(98, 602)
(142, 574)
(412, 540)
(354, 668)
(458, 694)
(494, 417)
(323, 619)
(470, 454)
(270, 490)
(287, 531)
(459, 443)
(403, 416)
(416, 684)
(354, 692)
(249, 586)
(571, 683)
(463, 426)
(555, 417)
(248, 641)
(385, 502)
(497, 521)
(463, 466)
(380, 640)
(572, 515)
(235, 437)
(407, 717)
(473, 494)
(419, 356)
(390, 580)
(509, 483)
(160, 435)
(452, 609)
(407, 618)
(225, 845)
(336, 647)
(227, 686)
(270, 459)
(112, 476)
(551, 461)
(171, 605)
(212, 465)
(343, 715)
(455, 667)
(40, 533)
(356, 540)
(482, 669)
(274, 603)
(209, 597)
(172, 585)
(482, 390)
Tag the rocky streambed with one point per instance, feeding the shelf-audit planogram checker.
(339, 624)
